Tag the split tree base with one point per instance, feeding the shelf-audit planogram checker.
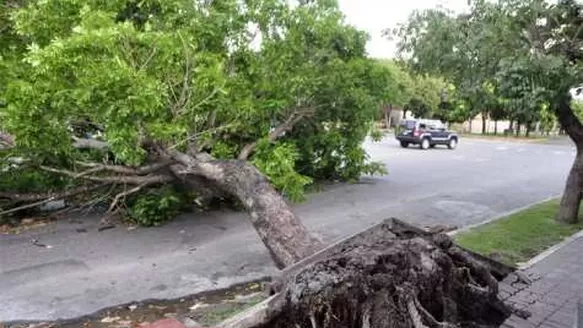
(392, 275)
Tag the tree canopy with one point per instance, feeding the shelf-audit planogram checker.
(285, 86)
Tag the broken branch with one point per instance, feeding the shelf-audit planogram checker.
(133, 179)
(289, 123)
(124, 194)
(47, 198)
(142, 170)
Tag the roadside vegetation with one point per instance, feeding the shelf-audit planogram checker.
(520, 236)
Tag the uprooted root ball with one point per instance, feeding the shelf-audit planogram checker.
(384, 279)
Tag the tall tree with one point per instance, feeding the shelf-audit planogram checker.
(548, 46)
(399, 89)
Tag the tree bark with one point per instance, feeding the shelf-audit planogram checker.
(569, 208)
(388, 116)
(282, 232)
(495, 127)
(484, 123)
(517, 129)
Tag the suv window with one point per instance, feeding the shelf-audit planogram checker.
(409, 124)
(422, 126)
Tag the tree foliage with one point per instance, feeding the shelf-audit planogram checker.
(287, 87)
(418, 93)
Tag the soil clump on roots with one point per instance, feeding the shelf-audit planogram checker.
(394, 276)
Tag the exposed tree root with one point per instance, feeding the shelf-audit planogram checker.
(393, 276)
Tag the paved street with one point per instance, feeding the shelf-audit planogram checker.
(86, 271)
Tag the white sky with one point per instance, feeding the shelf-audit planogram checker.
(373, 16)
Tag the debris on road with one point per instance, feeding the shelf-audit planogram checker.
(35, 242)
(195, 311)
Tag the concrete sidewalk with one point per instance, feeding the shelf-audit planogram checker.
(552, 297)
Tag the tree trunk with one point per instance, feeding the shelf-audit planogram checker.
(528, 128)
(495, 127)
(484, 131)
(389, 116)
(470, 122)
(569, 209)
(517, 129)
(282, 232)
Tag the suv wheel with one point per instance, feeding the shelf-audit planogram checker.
(404, 144)
(425, 144)
(452, 143)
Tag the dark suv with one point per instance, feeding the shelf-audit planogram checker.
(426, 135)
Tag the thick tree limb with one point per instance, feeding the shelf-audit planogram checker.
(32, 197)
(132, 179)
(288, 125)
(142, 170)
(41, 199)
(282, 232)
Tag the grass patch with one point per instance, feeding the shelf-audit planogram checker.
(500, 136)
(521, 236)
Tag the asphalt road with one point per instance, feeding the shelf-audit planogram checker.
(86, 271)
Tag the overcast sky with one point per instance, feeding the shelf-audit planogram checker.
(374, 16)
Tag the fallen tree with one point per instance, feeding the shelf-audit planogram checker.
(129, 95)
(177, 95)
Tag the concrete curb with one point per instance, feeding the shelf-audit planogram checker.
(501, 216)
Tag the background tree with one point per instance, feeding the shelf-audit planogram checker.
(461, 49)
(399, 87)
(425, 96)
(530, 51)
(548, 51)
